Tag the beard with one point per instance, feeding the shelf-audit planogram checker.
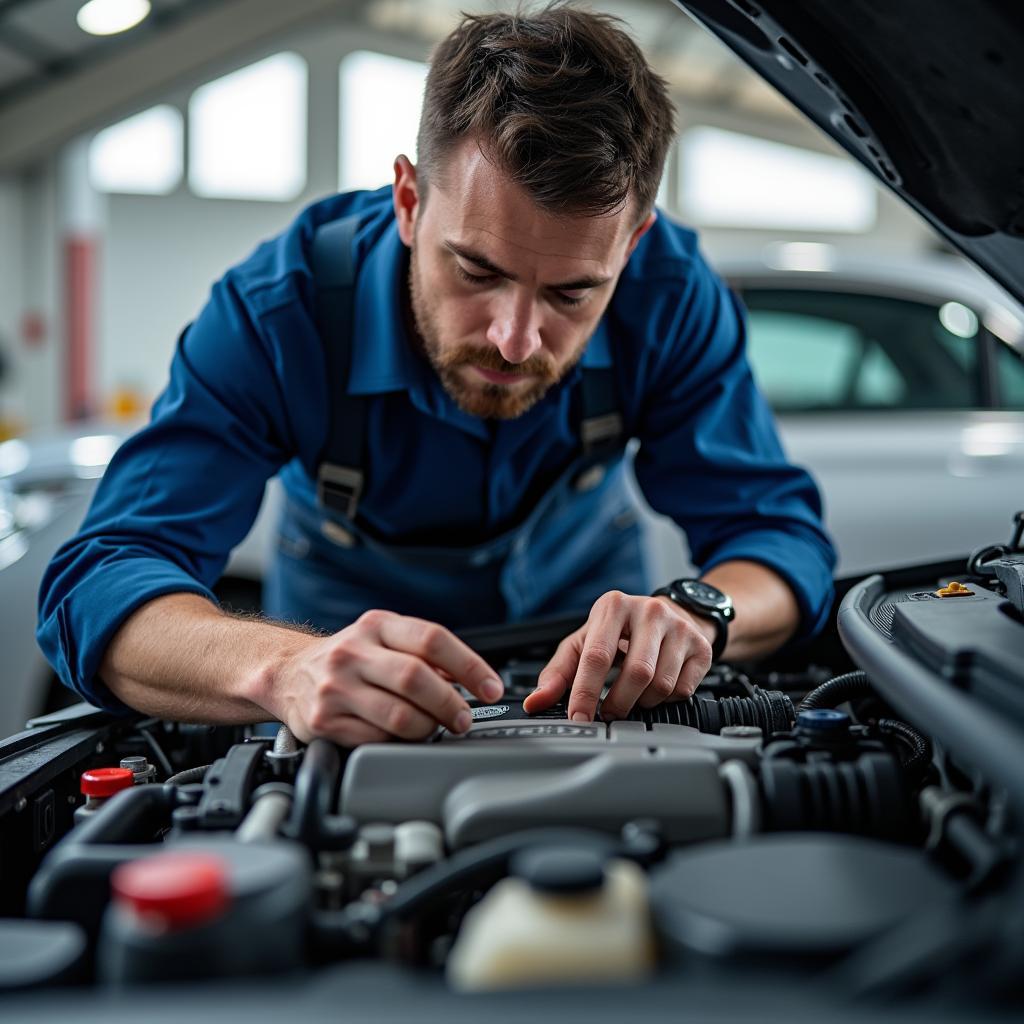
(483, 399)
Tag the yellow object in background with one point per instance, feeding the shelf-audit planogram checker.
(10, 427)
(126, 404)
(954, 589)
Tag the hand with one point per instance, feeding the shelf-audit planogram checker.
(667, 654)
(386, 676)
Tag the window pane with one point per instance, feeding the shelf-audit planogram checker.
(801, 362)
(831, 350)
(142, 154)
(1010, 368)
(734, 180)
(247, 132)
(380, 113)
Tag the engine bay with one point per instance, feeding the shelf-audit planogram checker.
(840, 832)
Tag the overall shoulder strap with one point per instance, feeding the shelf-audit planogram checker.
(340, 475)
(601, 426)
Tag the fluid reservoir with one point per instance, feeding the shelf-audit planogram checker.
(563, 917)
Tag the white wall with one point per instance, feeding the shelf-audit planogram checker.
(161, 254)
(29, 265)
(11, 284)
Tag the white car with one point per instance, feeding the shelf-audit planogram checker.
(900, 385)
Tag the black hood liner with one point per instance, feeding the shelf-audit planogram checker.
(929, 94)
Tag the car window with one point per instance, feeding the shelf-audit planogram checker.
(820, 350)
(1010, 371)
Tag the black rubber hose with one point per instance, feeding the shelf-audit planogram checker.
(189, 775)
(837, 691)
(920, 756)
(313, 820)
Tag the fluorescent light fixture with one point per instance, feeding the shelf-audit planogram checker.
(958, 319)
(108, 17)
(380, 99)
(143, 154)
(731, 180)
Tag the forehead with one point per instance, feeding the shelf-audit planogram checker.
(474, 204)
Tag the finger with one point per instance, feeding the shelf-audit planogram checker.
(412, 679)
(395, 716)
(600, 646)
(647, 637)
(671, 659)
(557, 675)
(694, 670)
(350, 731)
(441, 648)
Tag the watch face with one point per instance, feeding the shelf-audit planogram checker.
(704, 594)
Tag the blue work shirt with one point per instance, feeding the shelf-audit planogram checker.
(248, 396)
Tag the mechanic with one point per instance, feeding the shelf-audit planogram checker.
(446, 373)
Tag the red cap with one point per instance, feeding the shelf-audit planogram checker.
(178, 888)
(106, 781)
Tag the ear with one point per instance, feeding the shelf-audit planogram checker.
(406, 198)
(640, 232)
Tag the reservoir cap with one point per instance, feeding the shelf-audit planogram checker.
(103, 782)
(823, 720)
(560, 869)
(177, 888)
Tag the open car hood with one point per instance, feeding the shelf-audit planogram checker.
(927, 94)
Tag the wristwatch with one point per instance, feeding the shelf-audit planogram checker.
(706, 601)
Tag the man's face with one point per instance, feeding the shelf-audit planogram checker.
(505, 296)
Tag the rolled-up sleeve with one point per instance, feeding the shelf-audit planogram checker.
(710, 456)
(177, 496)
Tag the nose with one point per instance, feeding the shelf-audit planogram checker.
(514, 329)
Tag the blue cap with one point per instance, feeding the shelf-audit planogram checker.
(823, 720)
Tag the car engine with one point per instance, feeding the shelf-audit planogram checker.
(843, 829)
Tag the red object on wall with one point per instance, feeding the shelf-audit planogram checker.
(33, 329)
(79, 319)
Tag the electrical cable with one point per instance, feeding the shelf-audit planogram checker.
(920, 757)
(189, 775)
(836, 691)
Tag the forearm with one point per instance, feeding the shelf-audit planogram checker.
(767, 614)
(181, 657)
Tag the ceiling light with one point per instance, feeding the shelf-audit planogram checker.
(108, 17)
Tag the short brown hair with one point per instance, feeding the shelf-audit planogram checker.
(562, 99)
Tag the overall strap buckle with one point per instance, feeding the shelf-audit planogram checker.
(339, 488)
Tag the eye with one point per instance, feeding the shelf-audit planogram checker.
(570, 299)
(472, 278)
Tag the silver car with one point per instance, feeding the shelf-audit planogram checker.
(900, 385)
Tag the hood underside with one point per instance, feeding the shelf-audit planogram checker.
(922, 92)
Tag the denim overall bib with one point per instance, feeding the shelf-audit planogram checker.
(581, 539)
